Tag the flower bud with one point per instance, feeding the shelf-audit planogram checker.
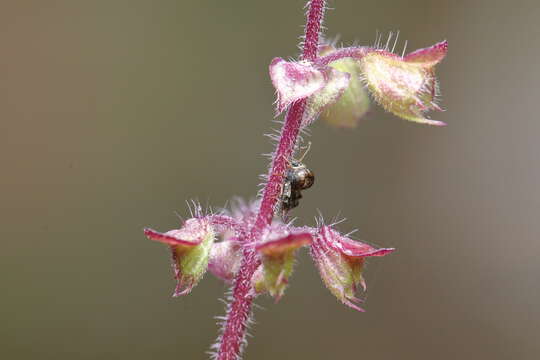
(353, 104)
(225, 259)
(190, 246)
(340, 261)
(336, 85)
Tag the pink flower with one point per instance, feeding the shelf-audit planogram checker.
(277, 249)
(405, 86)
(340, 261)
(299, 80)
(190, 246)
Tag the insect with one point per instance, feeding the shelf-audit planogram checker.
(297, 178)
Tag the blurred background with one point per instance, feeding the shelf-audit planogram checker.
(113, 113)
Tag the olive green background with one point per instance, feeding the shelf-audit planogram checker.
(113, 113)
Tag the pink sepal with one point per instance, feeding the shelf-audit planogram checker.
(349, 247)
(294, 81)
(172, 237)
(429, 56)
(277, 241)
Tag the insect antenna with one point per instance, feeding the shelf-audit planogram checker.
(305, 152)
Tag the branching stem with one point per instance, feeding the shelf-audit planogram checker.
(350, 52)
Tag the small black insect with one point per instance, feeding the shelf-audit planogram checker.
(297, 178)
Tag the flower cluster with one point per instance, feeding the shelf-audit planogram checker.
(215, 241)
(403, 85)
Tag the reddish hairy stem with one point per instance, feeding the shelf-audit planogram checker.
(234, 331)
(350, 52)
(280, 163)
(239, 310)
(313, 29)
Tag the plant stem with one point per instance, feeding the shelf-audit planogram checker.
(238, 313)
(351, 52)
(315, 17)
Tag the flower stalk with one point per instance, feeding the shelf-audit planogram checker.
(234, 332)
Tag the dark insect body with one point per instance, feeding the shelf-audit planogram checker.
(297, 178)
